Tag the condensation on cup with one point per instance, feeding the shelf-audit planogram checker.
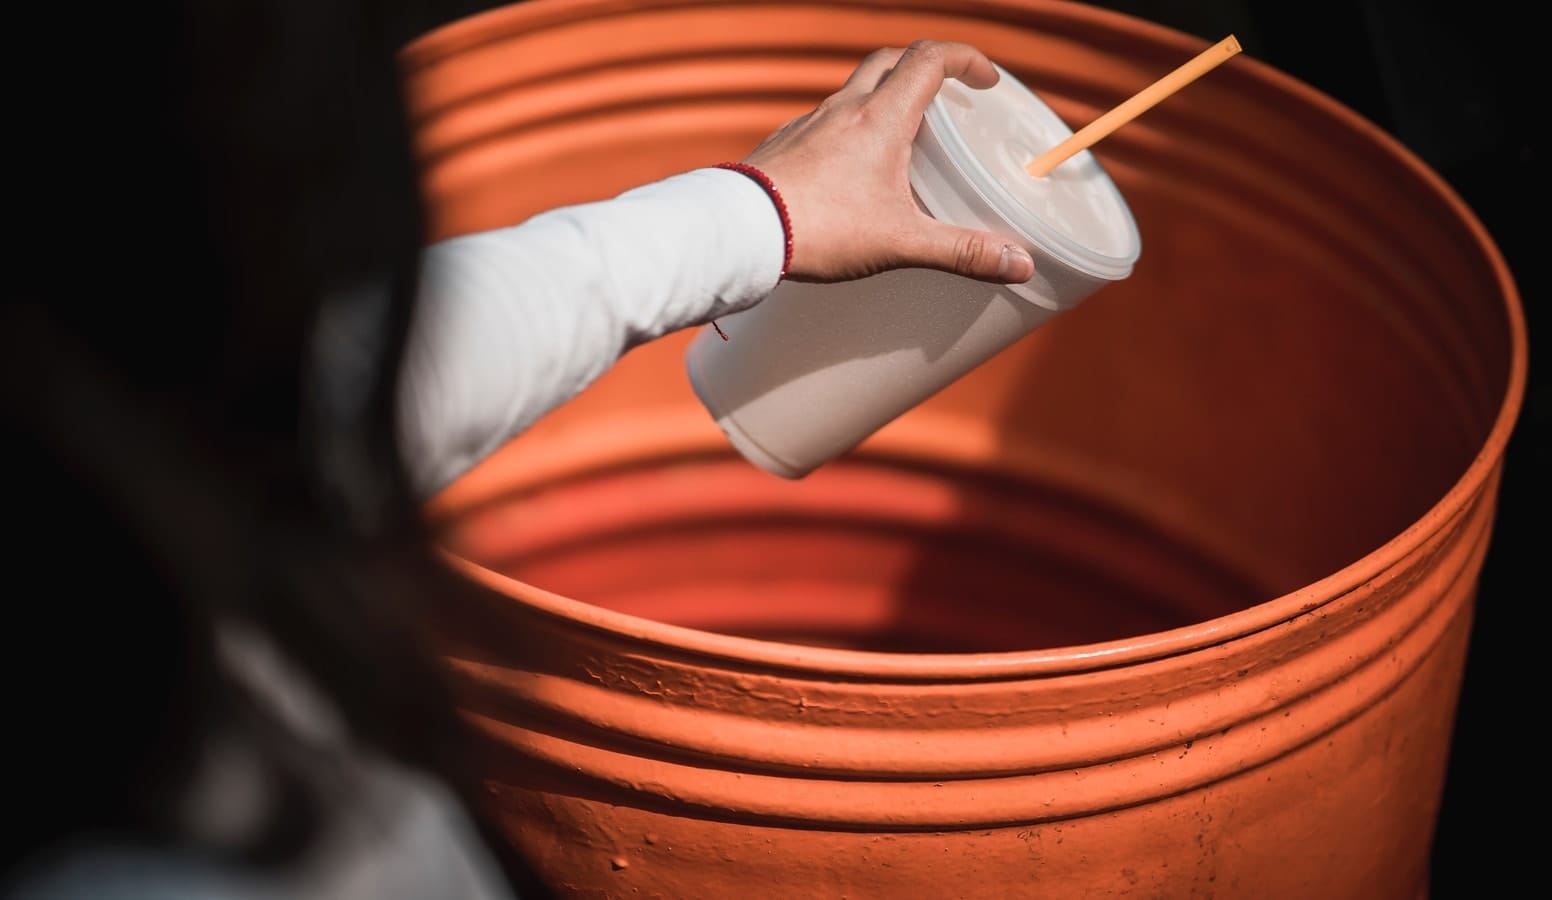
(814, 369)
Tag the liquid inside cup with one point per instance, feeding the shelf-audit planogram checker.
(1075, 210)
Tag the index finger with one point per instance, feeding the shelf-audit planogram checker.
(923, 67)
(873, 68)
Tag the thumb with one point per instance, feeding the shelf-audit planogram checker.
(975, 254)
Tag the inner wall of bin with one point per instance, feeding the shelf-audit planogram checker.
(863, 554)
(1308, 355)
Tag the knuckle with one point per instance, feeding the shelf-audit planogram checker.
(967, 252)
(867, 115)
(925, 47)
(838, 114)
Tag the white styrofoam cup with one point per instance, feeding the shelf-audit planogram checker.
(815, 369)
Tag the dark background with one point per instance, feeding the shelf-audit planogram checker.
(1453, 82)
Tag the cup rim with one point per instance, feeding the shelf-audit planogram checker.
(940, 127)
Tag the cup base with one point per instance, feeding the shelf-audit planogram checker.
(740, 439)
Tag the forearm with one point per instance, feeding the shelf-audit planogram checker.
(513, 322)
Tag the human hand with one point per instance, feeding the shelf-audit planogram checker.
(843, 171)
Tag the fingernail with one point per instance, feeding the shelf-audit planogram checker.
(1016, 266)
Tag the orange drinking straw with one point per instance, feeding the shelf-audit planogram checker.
(1140, 102)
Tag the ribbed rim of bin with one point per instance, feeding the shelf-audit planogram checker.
(531, 16)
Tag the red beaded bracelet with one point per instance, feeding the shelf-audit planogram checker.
(764, 181)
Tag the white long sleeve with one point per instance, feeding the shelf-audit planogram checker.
(513, 322)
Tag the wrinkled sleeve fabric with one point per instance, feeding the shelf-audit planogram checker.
(513, 322)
